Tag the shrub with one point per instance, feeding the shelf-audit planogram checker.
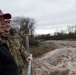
(41, 50)
(33, 43)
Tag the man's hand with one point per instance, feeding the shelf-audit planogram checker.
(29, 58)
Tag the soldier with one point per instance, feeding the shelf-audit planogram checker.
(8, 65)
(14, 42)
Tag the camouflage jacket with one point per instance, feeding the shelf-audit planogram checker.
(16, 48)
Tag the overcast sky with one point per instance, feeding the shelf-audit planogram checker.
(49, 15)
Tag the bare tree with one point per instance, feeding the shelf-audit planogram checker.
(25, 25)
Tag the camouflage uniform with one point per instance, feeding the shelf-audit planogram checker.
(17, 49)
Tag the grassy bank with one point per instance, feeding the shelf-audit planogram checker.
(41, 50)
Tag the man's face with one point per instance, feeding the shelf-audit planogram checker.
(7, 25)
(2, 24)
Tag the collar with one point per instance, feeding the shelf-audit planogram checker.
(3, 37)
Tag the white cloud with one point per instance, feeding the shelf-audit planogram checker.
(47, 13)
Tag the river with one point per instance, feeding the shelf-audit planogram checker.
(61, 61)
